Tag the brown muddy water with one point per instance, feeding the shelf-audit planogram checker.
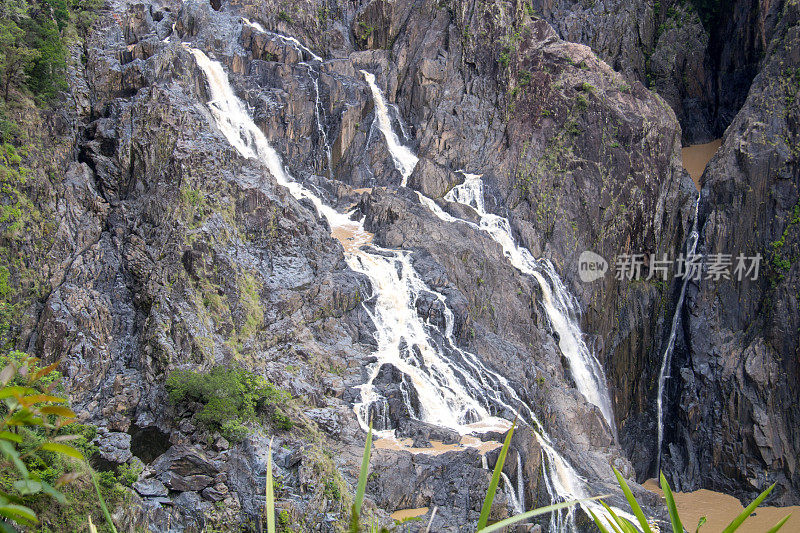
(720, 509)
(696, 157)
(409, 513)
(352, 237)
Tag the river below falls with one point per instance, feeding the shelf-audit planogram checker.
(697, 156)
(720, 509)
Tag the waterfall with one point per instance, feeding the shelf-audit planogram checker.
(454, 388)
(666, 359)
(404, 159)
(561, 479)
(290, 41)
(445, 398)
(515, 505)
(319, 113)
(560, 306)
(520, 482)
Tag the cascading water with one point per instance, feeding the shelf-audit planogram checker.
(559, 304)
(512, 496)
(445, 397)
(291, 41)
(455, 389)
(404, 159)
(666, 360)
(561, 479)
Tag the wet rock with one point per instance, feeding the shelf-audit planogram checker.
(734, 366)
(150, 487)
(114, 447)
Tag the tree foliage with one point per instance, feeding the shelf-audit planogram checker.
(229, 397)
(33, 44)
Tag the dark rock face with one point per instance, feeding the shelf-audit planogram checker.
(700, 59)
(736, 389)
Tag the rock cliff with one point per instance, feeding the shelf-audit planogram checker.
(171, 250)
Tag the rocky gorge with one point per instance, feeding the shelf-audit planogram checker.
(380, 208)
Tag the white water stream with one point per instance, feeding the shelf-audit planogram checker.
(561, 479)
(404, 158)
(559, 304)
(313, 74)
(666, 359)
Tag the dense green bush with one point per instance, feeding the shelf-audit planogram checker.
(34, 36)
(230, 397)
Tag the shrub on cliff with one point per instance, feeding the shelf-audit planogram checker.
(230, 397)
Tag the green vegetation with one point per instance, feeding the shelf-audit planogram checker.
(780, 262)
(366, 29)
(42, 454)
(622, 525)
(284, 16)
(33, 43)
(195, 203)
(504, 57)
(230, 398)
(34, 39)
(17, 215)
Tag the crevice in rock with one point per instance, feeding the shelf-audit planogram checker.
(148, 443)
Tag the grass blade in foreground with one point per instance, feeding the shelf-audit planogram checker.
(618, 524)
(530, 514)
(779, 525)
(671, 507)
(102, 501)
(498, 469)
(637, 510)
(733, 526)
(600, 525)
(362, 476)
(269, 506)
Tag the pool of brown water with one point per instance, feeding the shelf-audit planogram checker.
(720, 509)
(696, 157)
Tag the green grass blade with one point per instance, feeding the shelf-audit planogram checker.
(598, 523)
(700, 524)
(103, 506)
(637, 510)
(677, 526)
(618, 525)
(733, 526)
(497, 526)
(498, 469)
(362, 476)
(269, 506)
(779, 525)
